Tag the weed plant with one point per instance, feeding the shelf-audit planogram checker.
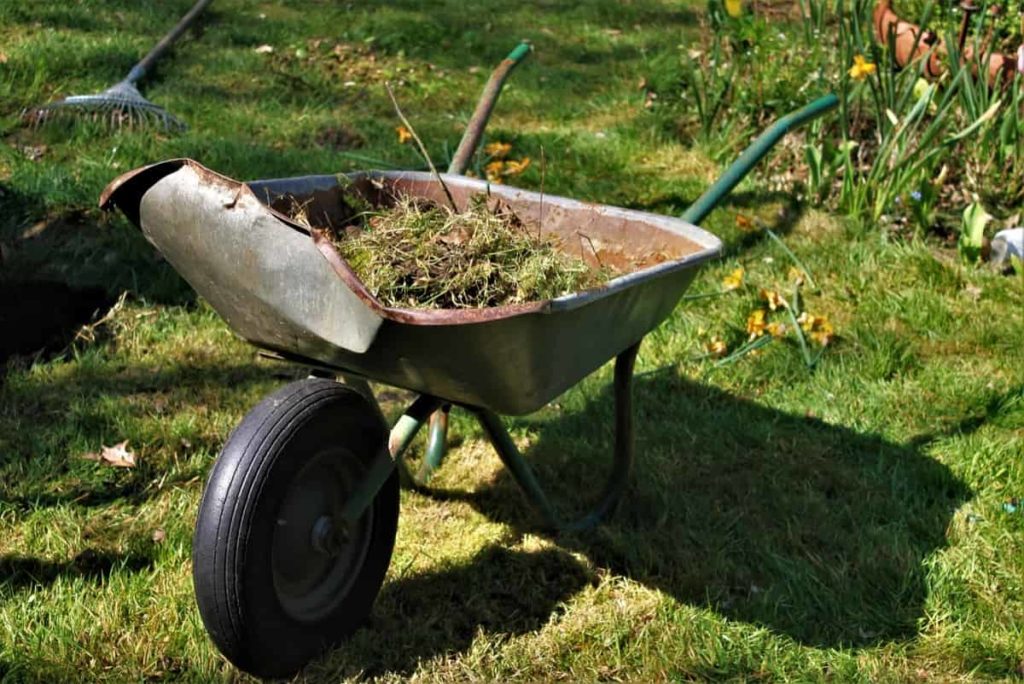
(906, 153)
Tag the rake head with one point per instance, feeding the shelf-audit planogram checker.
(118, 106)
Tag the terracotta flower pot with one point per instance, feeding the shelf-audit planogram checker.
(911, 43)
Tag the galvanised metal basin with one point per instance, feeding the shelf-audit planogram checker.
(283, 286)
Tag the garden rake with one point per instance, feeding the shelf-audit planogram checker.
(122, 104)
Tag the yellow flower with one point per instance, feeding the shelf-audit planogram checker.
(818, 328)
(776, 329)
(861, 68)
(796, 275)
(498, 150)
(744, 223)
(514, 168)
(734, 280)
(734, 8)
(404, 135)
(756, 324)
(494, 171)
(716, 347)
(773, 299)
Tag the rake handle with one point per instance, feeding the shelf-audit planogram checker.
(147, 62)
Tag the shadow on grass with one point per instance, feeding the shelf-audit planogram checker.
(812, 530)
(96, 404)
(28, 572)
(41, 316)
(498, 592)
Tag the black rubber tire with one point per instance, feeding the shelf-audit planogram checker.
(232, 558)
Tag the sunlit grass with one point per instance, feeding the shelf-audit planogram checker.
(846, 522)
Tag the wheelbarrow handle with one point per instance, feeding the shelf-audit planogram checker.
(699, 210)
(477, 123)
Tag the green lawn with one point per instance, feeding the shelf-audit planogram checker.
(850, 522)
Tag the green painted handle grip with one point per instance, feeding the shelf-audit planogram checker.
(699, 210)
(519, 52)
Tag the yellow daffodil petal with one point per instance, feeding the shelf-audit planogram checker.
(734, 8)
(744, 223)
(861, 68)
(756, 323)
(773, 299)
(493, 171)
(818, 328)
(404, 135)
(498, 150)
(514, 167)
(734, 280)
(716, 347)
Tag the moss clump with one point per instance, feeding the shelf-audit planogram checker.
(418, 254)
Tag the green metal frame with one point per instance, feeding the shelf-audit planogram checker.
(756, 151)
(433, 409)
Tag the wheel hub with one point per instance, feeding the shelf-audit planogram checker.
(315, 559)
(328, 538)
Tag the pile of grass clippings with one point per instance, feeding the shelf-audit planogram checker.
(418, 254)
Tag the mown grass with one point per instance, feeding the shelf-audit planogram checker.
(846, 523)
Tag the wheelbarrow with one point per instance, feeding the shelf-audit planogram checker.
(298, 519)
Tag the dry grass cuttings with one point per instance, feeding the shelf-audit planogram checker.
(418, 254)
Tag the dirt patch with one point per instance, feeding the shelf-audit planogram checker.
(339, 138)
(43, 316)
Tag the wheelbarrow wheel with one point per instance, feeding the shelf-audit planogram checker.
(277, 580)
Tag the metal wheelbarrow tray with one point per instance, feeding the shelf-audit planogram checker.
(299, 515)
(290, 294)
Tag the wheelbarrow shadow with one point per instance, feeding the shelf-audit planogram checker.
(499, 591)
(812, 530)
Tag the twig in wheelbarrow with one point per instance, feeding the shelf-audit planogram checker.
(421, 146)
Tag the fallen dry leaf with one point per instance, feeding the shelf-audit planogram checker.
(3, 58)
(159, 535)
(264, 49)
(118, 456)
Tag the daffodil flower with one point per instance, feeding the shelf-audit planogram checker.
(734, 280)
(861, 68)
(773, 299)
(515, 167)
(818, 328)
(494, 170)
(756, 323)
(498, 150)
(716, 347)
(734, 8)
(744, 223)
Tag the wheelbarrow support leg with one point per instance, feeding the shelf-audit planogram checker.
(400, 438)
(622, 465)
(437, 446)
